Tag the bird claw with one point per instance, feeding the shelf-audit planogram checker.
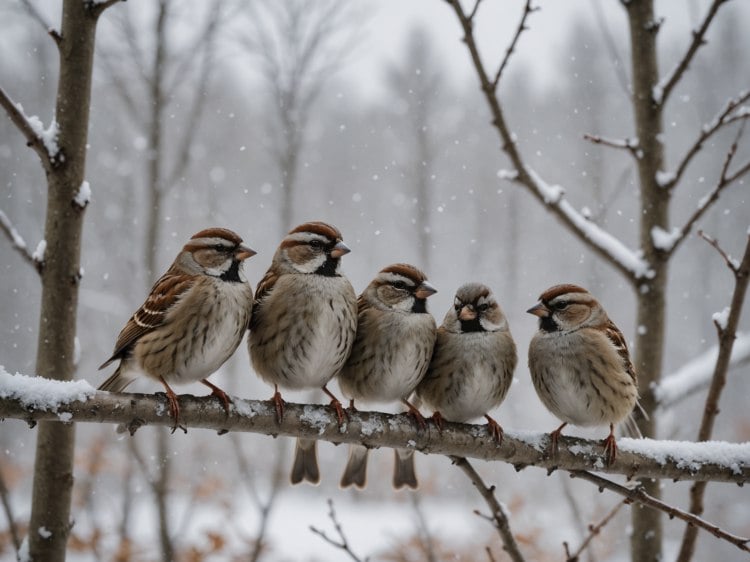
(278, 405)
(610, 449)
(220, 394)
(341, 414)
(438, 420)
(495, 430)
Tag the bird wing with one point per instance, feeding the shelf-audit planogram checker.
(152, 313)
(265, 286)
(614, 335)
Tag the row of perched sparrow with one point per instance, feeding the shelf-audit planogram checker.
(307, 326)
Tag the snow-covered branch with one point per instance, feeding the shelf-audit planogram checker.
(631, 145)
(696, 375)
(43, 141)
(627, 261)
(666, 85)
(19, 244)
(34, 398)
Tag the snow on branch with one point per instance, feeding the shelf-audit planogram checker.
(627, 261)
(19, 244)
(631, 145)
(696, 375)
(34, 398)
(43, 141)
(664, 88)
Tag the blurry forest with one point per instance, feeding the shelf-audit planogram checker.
(256, 118)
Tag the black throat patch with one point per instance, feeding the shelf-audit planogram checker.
(547, 324)
(233, 273)
(419, 306)
(471, 325)
(328, 269)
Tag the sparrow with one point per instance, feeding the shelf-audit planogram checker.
(303, 324)
(580, 364)
(395, 337)
(192, 321)
(473, 361)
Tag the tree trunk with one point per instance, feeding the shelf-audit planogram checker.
(49, 524)
(646, 537)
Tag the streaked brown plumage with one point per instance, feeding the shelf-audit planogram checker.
(395, 337)
(192, 321)
(580, 364)
(473, 362)
(303, 323)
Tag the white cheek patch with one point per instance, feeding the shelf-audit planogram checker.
(221, 270)
(404, 305)
(491, 326)
(310, 266)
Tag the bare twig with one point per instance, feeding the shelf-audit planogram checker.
(726, 333)
(37, 15)
(19, 244)
(527, 9)
(499, 517)
(666, 86)
(639, 496)
(32, 139)
(725, 180)
(342, 543)
(601, 242)
(627, 144)
(725, 117)
(636, 458)
(490, 556)
(594, 530)
(5, 498)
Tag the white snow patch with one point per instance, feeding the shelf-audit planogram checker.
(65, 417)
(315, 417)
(509, 175)
(689, 454)
(664, 240)
(18, 240)
(532, 438)
(83, 196)
(41, 249)
(664, 178)
(372, 426)
(43, 394)
(697, 373)
(721, 318)
(44, 532)
(48, 135)
(550, 193)
(248, 409)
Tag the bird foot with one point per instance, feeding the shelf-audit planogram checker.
(220, 394)
(173, 406)
(416, 414)
(278, 403)
(439, 421)
(553, 438)
(610, 448)
(494, 429)
(341, 414)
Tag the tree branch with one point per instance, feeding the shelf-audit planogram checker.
(725, 117)
(727, 334)
(639, 496)
(709, 199)
(36, 15)
(665, 86)
(33, 140)
(19, 244)
(717, 462)
(344, 544)
(627, 144)
(527, 9)
(594, 530)
(629, 263)
(499, 517)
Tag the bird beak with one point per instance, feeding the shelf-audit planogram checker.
(467, 314)
(243, 252)
(340, 249)
(539, 310)
(425, 290)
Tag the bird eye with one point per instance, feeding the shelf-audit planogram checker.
(483, 307)
(316, 243)
(400, 285)
(458, 306)
(562, 305)
(219, 248)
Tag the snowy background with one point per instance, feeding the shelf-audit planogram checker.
(358, 169)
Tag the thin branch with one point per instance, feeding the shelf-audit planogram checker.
(726, 334)
(499, 516)
(709, 199)
(527, 9)
(343, 544)
(629, 263)
(37, 15)
(19, 244)
(594, 530)
(665, 86)
(637, 495)
(642, 458)
(33, 140)
(627, 144)
(725, 117)
(5, 498)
